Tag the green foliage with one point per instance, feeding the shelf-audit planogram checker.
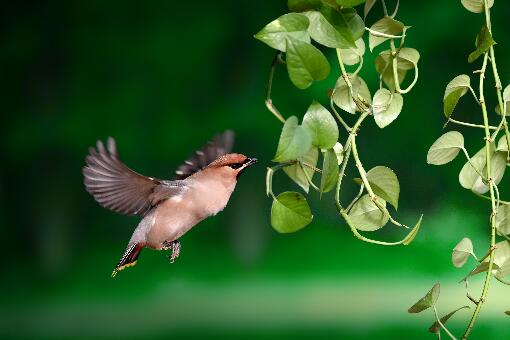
(336, 25)
(454, 90)
(462, 251)
(427, 301)
(321, 126)
(483, 42)
(290, 212)
(445, 148)
(294, 141)
(483, 172)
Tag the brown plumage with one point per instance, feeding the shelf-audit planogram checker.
(202, 187)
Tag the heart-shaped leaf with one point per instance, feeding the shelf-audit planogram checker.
(484, 42)
(475, 6)
(353, 56)
(385, 184)
(501, 267)
(386, 25)
(294, 141)
(290, 212)
(387, 106)
(455, 89)
(470, 179)
(342, 95)
(296, 171)
(427, 301)
(445, 148)
(412, 234)
(289, 25)
(502, 145)
(305, 63)
(462, 251)
(329, 171)
(365, 214)
(321, 126)
(330, 28)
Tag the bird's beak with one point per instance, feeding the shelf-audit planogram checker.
(251, 161)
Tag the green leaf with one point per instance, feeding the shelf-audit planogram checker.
(294, 141)
(291, 25)
(454, 90)
(462, 251)
(484, 41)
(436, 327)
(385, 25)
(305, 63)
(330, 28)
(412, 235)
(475, 6)
(353, 56)
(506, 102)
(339, 151)
(507, 312)
(503, 220)
(303, 5)
(342, 95)
(368, 7)
(366, 216)
(501, 267)
(329, 171)
(387, 106)
(349, 3)
(407, 59)
(445, 148)
(290, 212)
(296, 171)
(385, 184)
(502, 144)
(321, 126)
(427, 301)
(470, 179)
(354, 22)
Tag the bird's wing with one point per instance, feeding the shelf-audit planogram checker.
(120, 189)
(219, 146)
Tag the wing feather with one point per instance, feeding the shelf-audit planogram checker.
(219, 146)
(120, 189)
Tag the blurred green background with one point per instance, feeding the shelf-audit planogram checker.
(162, 78)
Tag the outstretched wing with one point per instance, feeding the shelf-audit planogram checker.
(219, 146)
(120, 189)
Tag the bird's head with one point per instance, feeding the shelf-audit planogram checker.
(233, 163)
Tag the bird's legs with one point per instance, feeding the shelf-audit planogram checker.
(175, 246)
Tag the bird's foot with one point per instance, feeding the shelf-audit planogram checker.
(175, 246)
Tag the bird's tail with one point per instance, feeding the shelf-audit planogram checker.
(129, 258)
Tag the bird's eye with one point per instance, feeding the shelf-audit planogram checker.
(235, 165)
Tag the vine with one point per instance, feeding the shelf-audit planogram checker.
(300, 38)
(482, 173)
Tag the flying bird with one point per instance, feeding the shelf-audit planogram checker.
(169, 208)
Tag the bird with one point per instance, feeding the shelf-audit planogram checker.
(201, 187)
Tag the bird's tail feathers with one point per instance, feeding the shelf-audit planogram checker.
(129, 258)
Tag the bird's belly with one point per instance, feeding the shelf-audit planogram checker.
(173, 219)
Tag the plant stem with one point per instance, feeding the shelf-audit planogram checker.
(442, 325)
(488, 276)
(470, 124)
(269, 102)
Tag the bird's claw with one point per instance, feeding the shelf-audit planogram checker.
(175, 246)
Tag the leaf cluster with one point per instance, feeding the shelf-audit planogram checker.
(321, 143)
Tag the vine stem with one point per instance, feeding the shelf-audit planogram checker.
(488, 276)
(269, 102)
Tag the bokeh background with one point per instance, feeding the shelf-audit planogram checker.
(162, 78)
